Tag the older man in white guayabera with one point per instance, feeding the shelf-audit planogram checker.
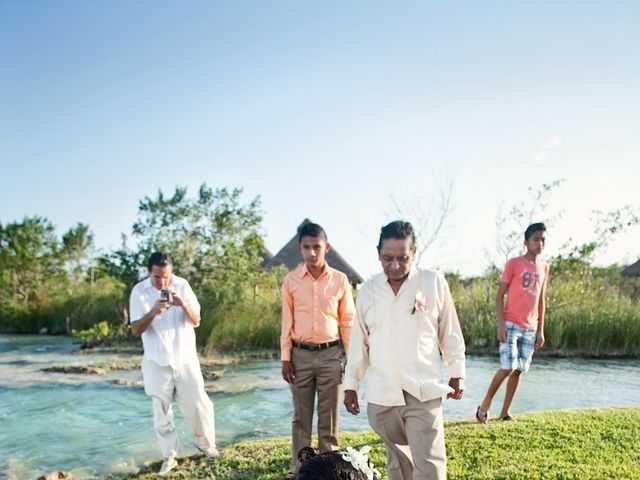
(164, 311)
(405, 318)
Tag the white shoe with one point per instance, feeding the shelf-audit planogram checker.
(168, 465)
(210, 452)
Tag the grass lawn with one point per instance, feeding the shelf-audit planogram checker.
(561, 445)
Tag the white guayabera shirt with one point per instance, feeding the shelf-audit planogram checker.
(170, 340)
(396, 339)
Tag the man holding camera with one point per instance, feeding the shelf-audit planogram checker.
(164, 311)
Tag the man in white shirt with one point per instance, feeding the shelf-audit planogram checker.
(164, 311)
(405, 318)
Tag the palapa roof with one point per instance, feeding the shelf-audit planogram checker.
(632, 270)
(290, 256)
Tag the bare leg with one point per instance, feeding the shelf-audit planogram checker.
(512, 386)
(498, 378)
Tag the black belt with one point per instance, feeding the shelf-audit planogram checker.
(315, 346)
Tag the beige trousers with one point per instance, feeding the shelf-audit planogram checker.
(317, 371)
(186, 385)
(413, 436)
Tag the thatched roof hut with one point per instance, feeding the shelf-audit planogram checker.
(632, 270)
(290, 256)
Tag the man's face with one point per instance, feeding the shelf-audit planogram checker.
(160, 276)
(396, 257)
(536, 241)
(314, 250)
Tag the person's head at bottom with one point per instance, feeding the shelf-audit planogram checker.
(336, 465)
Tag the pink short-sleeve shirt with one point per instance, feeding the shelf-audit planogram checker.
(527, 281)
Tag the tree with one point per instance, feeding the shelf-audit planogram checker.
(77, 251)
(215, 239)
(29, 256)
(124, 264)
(206, 234)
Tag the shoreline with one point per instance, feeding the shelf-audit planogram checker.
(225, 357)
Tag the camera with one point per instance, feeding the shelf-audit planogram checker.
(164, 294)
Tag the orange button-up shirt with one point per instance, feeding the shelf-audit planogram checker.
(315, 310)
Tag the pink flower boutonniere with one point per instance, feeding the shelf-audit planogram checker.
(421, 303)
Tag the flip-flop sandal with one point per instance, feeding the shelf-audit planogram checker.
(508, 418)
(481, 415)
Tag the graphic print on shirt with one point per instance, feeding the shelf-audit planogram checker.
(530, 282)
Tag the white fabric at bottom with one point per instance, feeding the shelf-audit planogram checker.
(185, 383)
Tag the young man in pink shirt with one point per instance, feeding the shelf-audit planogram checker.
(521, 321)
(317, 314)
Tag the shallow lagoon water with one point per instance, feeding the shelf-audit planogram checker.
(84, 424)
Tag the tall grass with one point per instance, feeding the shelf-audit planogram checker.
(254, 325)
(589, 312)
(87, 305)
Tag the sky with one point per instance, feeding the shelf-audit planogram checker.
(327, 110)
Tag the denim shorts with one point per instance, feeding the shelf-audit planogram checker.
(516, 352)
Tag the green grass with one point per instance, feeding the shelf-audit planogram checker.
(558, 445)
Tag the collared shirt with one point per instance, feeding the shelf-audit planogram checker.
(396, 341)
(315, 310)
(170, 339)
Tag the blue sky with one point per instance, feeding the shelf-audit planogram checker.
(326, 110)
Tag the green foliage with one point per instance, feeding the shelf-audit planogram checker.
(123, 264)
(77, 243)
(206, 235)
(40, 273)
(253, 322)
(96, 333)
(29, 252)
(216, 244)
(106, 300)
(590, 311)
(564, 445)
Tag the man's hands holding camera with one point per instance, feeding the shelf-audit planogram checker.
(168, 298)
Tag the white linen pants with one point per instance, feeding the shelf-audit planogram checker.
(413, 436)
(185, 383)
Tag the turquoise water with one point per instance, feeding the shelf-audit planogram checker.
(84, 424)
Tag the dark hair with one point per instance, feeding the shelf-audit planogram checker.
(326, 466)
(159, 259)
(397, 229)
(534, 227)
(311, 230)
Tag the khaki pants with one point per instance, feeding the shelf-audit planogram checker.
(317, 371)
(413, 436)
(187, 385)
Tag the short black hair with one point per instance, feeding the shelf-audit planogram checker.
(159, 259)
(400, 229)
(534, 227)
(327, 466)
(310, 229)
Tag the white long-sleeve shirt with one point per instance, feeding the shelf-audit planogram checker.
(398, 348)
(170, 339)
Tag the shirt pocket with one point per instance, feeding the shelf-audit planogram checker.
(331, 294)
(427, 321)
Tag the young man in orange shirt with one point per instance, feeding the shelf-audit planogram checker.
(317, 312)
(521, 322)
